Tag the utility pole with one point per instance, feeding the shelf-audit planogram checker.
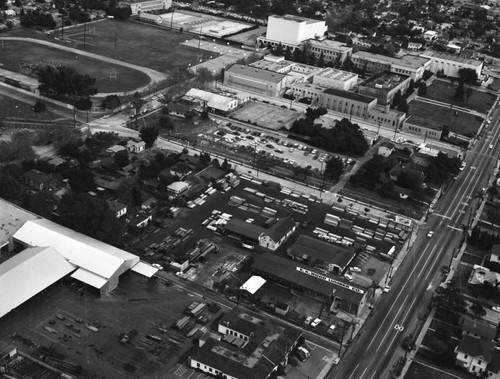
(84, 34)
(62, 27)
(172, 19)
(116, 39)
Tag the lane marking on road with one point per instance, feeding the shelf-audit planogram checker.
(363, 373)
(425, 264)
(395, 334)
(353, 371)
(397, 297)
(454, 228)
(389, 329)
(439, 215)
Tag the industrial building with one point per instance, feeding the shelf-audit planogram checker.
(213, 102)
(334, 289)
(256, 80)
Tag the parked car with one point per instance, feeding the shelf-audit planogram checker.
(158, 266)
(496, 309)
(316, 322)
(348, 277)
(355, 269)
(430, 234)
(307, 321)
(386, 289)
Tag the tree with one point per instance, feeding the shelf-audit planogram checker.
(149, 134)
(204, 76)
(64, 81)
(36, 18)
(111, 102)
(137, 103)
(39, 107)
(167, 123)
(121, 158)
(467, 75)
(478, 309)
(84, 103)
(90, 216)
(321, 60)
(334, 168)
(82, 180)
(459, 92)
(449, 298)
(422, 89)
(226, 166)
(42, 203)
(403, 105)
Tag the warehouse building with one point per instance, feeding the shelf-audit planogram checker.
(337, 291)
(96, 263)
(321, 255)
(213, 102)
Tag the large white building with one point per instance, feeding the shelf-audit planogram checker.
(138, 7)
(96, 263)
(293, 30)
(450, 64)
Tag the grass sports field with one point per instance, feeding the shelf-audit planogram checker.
(110, 77)
(462, 123)
(133, 42)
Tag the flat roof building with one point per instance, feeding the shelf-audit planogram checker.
(256, 80)
(413, 66)
(333, 78)
(384, 86)
(450, 64)
(12, 218)
(138, 7)
(423, 127)
(333, 51)
(347, 102)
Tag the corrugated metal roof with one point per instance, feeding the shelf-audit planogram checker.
(29, 272)
(82, 251)
(89, 278)
(144, 269)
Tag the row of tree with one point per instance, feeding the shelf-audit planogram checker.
(344, 138)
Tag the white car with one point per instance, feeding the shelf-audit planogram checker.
(430, 234)
(491, 146)
(316, 322)
(348, 277)
(355, 269)
(158, 266)
(386, 289)
(496, 309)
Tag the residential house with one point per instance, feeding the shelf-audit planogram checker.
(178, 110)
(140, 220)
(117, 208)
(40, 180)
(474, 354)
(134, 146)
(149, 204)
(180, 170)
(477, 328)
(494, 255)
(277, 233)
(385, 149)
(115, 149)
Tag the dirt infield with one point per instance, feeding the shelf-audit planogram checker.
(267, 115)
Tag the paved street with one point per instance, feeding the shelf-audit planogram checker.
(378, 345)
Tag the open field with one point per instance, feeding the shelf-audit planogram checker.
(12, 108)
(462, 123)
(267, 115)
(443, 91)
(137, 43)
(109, 77)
